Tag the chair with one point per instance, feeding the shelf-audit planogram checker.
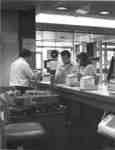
(106, 128)
(18, 134)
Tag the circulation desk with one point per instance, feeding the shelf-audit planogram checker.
(98, 98)
(41, 106)
(85, 110)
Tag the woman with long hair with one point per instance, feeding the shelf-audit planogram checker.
(86, 66)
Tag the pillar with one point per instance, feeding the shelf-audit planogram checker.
(27, 31)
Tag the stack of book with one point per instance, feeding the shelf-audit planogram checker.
(87, 82)
(72, 80)
(111, 86)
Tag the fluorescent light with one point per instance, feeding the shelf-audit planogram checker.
(82, 11)
(108, 46)
(61, 8)
(77, 21)
(104, 12)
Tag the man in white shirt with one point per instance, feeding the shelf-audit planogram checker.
(21, 72)
(65, 69)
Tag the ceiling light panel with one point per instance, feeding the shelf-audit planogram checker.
(61, 8)
(81, 11)
(72, 20)
(104, 12)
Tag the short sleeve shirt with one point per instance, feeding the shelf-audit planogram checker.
(63, 71)
(88, 70)
(20, 73)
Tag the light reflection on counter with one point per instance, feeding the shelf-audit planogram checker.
(102, 89)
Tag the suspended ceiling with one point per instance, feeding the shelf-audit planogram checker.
(92, 7)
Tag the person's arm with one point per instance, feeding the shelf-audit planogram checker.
(110, 70)
(75, 69)
(60, 75)
(90, 70)
(31, 75)
(28, 72)
(57, 75)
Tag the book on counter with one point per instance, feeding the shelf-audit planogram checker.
(87, 83)
(111, 85)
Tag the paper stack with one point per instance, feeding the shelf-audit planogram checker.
(111, 85)
(87, 82)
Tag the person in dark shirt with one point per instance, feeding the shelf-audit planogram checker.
(65, 69)
(86, 66)
(111, 71)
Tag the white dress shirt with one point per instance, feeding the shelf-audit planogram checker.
(90, 69)
(20, 73)
(63, 70)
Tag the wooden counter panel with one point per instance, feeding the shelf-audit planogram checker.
(85, 110)
(94, 98)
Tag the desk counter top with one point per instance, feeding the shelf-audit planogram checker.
(101, 98)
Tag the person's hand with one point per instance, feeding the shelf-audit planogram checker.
(38, 76)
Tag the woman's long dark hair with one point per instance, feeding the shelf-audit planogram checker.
(84, 59)
(111, 69)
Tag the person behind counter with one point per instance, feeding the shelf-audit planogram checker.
(65, 69)
(21, 73)
(86, 67)
(111, 70)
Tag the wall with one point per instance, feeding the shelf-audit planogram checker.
(16, 26)
(27, 31)
(10, 52)
(9, 43)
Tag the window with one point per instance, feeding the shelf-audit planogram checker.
(49, 40)
(46, 41)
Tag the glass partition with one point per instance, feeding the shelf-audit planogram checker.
(46, 41)
(96, 45)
